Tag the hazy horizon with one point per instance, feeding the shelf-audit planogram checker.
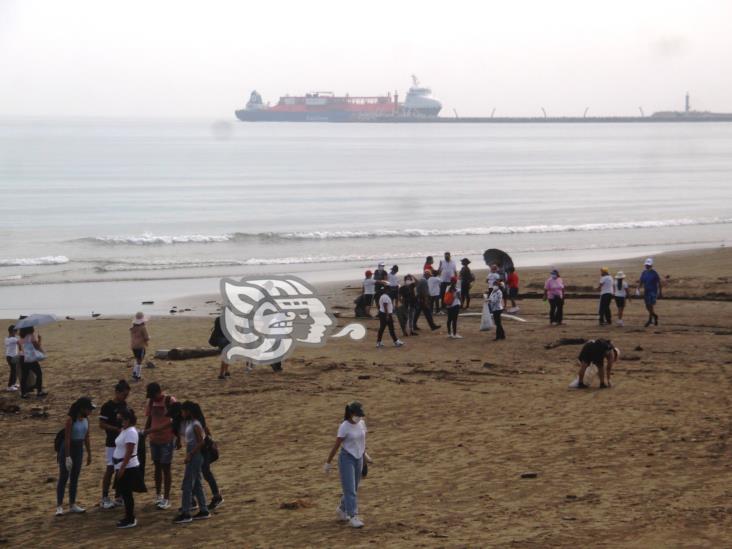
(193, 60)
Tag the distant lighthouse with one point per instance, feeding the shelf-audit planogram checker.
(687, 104)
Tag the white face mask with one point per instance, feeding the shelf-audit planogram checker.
(356, 419)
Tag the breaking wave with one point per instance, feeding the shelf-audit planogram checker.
(30, 261)
(148, 239)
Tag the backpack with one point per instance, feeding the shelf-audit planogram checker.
(449, 298)
(59, 440)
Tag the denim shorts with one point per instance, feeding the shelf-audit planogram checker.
(650, 298)
(162, 453)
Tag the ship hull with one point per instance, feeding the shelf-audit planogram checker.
(301, 116)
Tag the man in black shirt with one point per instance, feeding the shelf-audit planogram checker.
(112, 427)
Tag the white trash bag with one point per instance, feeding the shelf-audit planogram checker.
(590, 377)
(486, 319)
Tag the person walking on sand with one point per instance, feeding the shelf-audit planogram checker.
(451, 299)
(386, 317)
(512, 282)
(71, 453)
(446, 270)
(466, 282)
(434, 283)
(369, 289)
(12, 357)
(496, 306)
(351, 439)
(33, 353)
(218, 339)
(554, 292)
(139, 339)
(194, 435)
(621, 295)
(597, 352)
(129, 478)
(159, 430)
(110, 424)
(392, 281)
(407, 305)
(606, 297)
(650, 281)
(209, 445)
(424, 304)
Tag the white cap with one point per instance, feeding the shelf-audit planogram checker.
(649, 262)
(381, 263)
(139, 318)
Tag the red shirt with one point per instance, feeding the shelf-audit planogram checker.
(513, 280)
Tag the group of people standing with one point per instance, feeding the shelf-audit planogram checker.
(610, 288)
(169, 425)
(442, 290)
(23, 354)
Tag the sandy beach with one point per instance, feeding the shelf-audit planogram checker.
(453, 425)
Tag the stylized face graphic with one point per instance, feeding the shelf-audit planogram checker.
(264, 318)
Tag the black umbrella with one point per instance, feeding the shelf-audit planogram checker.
(500, 258)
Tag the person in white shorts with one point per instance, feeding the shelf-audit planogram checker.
(110, 423)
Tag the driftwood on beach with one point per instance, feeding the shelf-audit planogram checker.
(183, 353)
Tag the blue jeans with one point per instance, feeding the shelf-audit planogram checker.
(349, 469)
(77, 456)
(192, 486)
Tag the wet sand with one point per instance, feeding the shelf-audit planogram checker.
(453, 424)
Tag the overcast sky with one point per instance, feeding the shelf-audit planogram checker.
(182, 58)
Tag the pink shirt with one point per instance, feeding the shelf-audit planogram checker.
(156, 410)
(554, 287)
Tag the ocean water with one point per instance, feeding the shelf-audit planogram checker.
(101, 213)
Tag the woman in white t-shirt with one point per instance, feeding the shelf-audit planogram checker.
(351, 439)
(606, 296)
(621, 295)
(129, 477)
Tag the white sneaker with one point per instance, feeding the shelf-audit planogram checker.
(355, 522)
(449, 336)
(12, 388)
(456, 336)
(163, 504)
(107, 503)
(158, 498)
(59, 511)
(341, 514)
(379, 344)
(621, 323)
(76, 508)
(398, 343)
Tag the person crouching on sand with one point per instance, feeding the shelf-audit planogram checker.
(351, 439)
(597, 352)
(138, 343)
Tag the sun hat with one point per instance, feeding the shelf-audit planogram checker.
(139, 318)
(356, 409)
(465, 261)
(605, 270)
(649, 262)
(620, 275)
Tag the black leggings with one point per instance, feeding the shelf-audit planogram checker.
(126, 485)
(556, 309)
(208, 475)
(12, 378)
(26, 368)
(452, 318)
(384, 321)
(605, 315)
(500, 334)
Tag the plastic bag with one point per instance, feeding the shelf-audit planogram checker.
(486, 319)
(590, 377)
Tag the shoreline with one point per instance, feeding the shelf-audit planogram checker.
(169, 293)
